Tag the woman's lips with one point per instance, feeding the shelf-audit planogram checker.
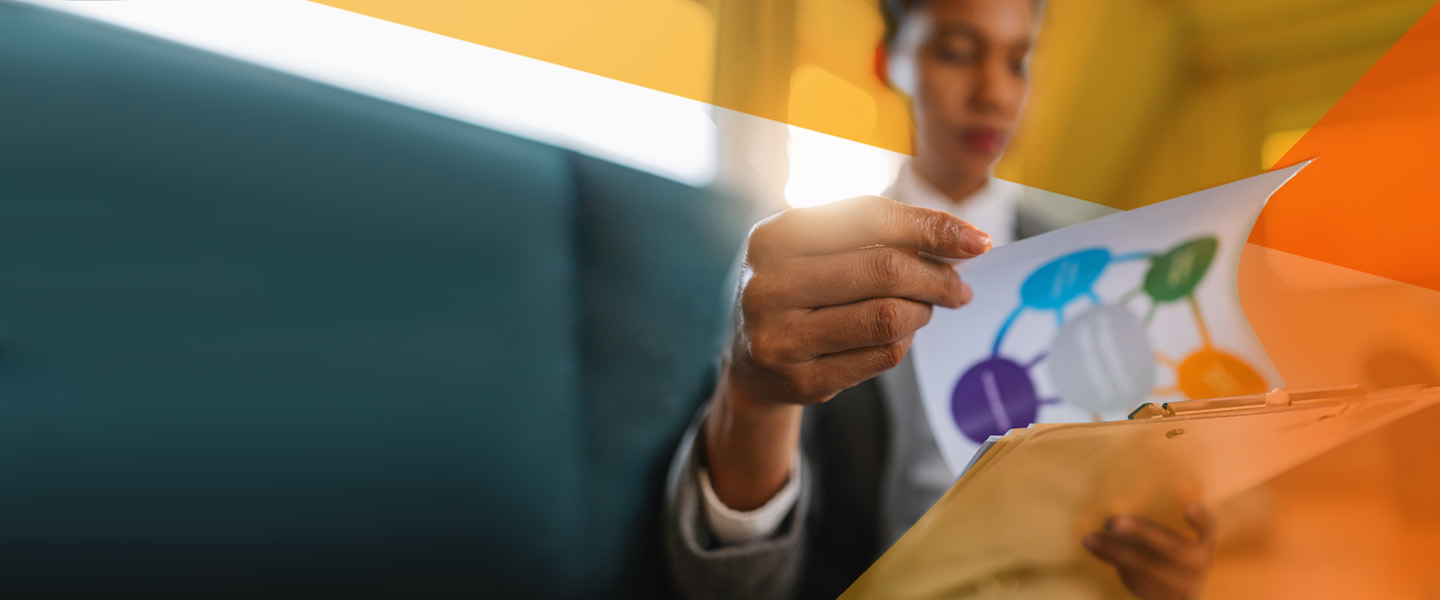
(983, 140)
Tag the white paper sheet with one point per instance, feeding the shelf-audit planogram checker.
(1088, 322)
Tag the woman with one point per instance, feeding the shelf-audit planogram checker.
(830, 298)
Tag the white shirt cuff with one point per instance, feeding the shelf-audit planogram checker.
(732, 527)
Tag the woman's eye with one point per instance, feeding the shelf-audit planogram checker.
(956, 55)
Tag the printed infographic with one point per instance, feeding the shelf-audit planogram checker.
(1088, 322)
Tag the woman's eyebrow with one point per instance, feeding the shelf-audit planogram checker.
(958, 30)
(944, 31)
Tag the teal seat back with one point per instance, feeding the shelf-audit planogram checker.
(262, 335)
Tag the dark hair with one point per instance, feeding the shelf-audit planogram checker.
(894, 11)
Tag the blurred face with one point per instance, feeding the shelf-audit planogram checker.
(964, 62)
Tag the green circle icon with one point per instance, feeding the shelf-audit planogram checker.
(1175, 274)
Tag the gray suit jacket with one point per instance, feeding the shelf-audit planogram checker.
(833, 534)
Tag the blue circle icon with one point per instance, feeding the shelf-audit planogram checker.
(1064, 279)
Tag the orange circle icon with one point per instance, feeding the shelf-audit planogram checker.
(1214, 374)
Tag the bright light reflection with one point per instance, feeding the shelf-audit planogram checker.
(825, 168)
(667, 135)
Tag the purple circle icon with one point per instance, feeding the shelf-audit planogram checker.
(993, 397)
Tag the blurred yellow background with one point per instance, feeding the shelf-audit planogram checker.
(1135, 101)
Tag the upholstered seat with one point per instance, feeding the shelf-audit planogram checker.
(262, 335)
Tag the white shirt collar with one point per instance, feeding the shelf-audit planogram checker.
(991, 208)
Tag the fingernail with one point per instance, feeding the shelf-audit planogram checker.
(976, 241)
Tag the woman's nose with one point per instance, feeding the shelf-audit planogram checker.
(997, 89)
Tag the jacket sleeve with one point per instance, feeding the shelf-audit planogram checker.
(699, 566)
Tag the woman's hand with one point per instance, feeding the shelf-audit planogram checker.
(829, 296)
(1154, 562)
